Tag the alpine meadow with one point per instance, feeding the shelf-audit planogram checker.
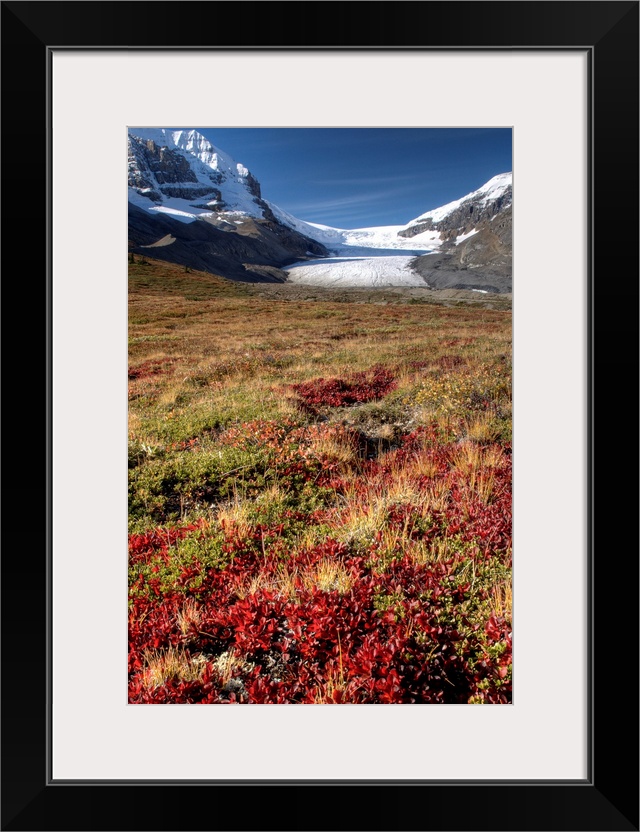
(319, 449)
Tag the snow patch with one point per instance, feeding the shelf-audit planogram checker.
(180, 209)
(462, 237)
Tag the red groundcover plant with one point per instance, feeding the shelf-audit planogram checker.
(253, 628)
(326, 646)
(365, 386)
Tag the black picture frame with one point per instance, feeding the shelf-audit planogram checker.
(608, 798)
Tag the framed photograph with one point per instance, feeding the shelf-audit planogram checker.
(81, 753)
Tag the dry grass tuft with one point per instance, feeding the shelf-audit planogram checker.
(281, 581)
(467, 458)
(328, 576)
(482, 428)
(234, 515)
(333, 688)
(173, 664)
(336, 448)
(501, 600)
(189, 616)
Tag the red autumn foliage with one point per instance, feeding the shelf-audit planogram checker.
(153, 367)
(365, 386)
(323, 645)
(400, 632)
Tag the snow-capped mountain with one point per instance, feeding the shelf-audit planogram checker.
(180, 173)
(191, 203)
(463, 215)
(452, 222)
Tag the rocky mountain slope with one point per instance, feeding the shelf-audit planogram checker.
(464, 215)
(254, 254)
(483, 261)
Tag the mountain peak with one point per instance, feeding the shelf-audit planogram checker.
(179, 172)
(463, 215)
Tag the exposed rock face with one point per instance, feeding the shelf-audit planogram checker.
(253, 185)
(483, 262)
(490, 247)
(268, 274)
(195, 192)
(155, 171)
(159, 163)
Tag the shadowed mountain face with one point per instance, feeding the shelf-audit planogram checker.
(482, 262)
(253, 251)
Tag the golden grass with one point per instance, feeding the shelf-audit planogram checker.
(173, 664)
(361, 517)
(217, 330)
(328, 576)
(234, 515)
(236, 352)
(421, 464)
(467, 458)
(501, 600)
(481, 428)
(336, 683)
(436, 495)
(189, 616)
(335, 448)
(477, 464)
(494, 457)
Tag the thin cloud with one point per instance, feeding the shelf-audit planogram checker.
(353, 200)
(366, 180)
(355, 216)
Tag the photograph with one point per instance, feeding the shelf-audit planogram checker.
(320, 415)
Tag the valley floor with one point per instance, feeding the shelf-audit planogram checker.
(399, 295)
(319, 493)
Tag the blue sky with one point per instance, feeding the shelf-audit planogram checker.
(358, 177)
